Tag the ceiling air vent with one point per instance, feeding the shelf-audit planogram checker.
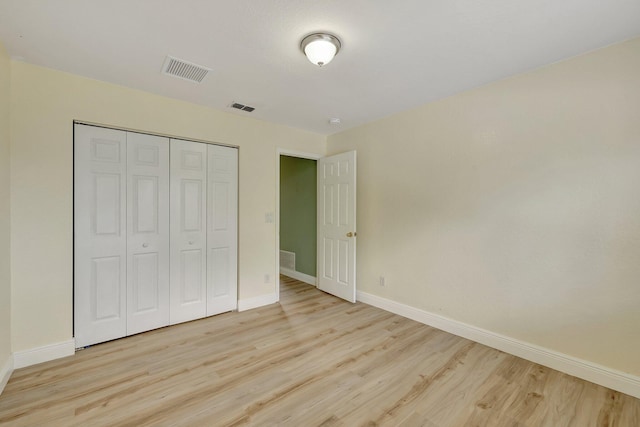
(242, 107)
(184, 70)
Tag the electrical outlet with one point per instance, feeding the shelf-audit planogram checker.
(381, 281)
(267, 278)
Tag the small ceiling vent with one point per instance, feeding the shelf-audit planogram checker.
(184, 70)
(242, 107)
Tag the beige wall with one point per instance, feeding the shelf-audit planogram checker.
(44, 105)
(5, 248)
(514, 207)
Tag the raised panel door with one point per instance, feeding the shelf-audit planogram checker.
(99, 234)
(147, 232)
(337, 225)
(222, 229)
(188, 182)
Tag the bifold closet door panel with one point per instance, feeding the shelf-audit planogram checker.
(147, 232)
(188, 231)
(99, 234)
(222, 229)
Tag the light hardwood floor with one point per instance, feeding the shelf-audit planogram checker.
(312, 360)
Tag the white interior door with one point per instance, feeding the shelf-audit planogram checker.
(147, 232)
(337, 225)
(99, 234)
(188, 230)
(222, 229)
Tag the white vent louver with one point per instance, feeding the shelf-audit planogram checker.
(184, 70)
(288, 260)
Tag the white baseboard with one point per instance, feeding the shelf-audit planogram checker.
(255, 302)
(299, 276)
(5, 373)
(46, 353)
(602, 375)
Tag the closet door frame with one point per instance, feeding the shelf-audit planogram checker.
(82, 298)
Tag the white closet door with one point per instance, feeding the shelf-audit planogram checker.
(99, 234)
(188, 230)
(147, 232)
(222, 226)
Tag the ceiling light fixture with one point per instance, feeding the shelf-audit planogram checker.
(320, 48)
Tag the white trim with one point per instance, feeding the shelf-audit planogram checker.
(300, 154)
(45, 353)
(602, 375)
(255, 302)
(5, 373)
(299, 276)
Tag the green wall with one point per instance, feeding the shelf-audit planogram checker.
(298, 211)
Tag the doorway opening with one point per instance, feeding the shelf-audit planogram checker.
(297, 216)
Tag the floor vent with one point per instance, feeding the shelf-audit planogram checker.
(184, 70)
(242, 107)
(288, 260)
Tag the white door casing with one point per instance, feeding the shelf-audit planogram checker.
(337, 225)
(100, 247)
(147, 232)
(222, 226)
(188, 230)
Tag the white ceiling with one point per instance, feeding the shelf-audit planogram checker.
(395, 54)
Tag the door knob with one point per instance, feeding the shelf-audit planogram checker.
(350, 234)
(144, 245)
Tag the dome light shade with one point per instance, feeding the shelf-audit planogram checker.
(320, 48)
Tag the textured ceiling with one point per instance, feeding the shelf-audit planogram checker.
(396, 54)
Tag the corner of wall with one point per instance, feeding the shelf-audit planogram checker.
(5, 373)
(6, 358)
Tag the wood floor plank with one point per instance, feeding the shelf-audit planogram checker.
(310, 360)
